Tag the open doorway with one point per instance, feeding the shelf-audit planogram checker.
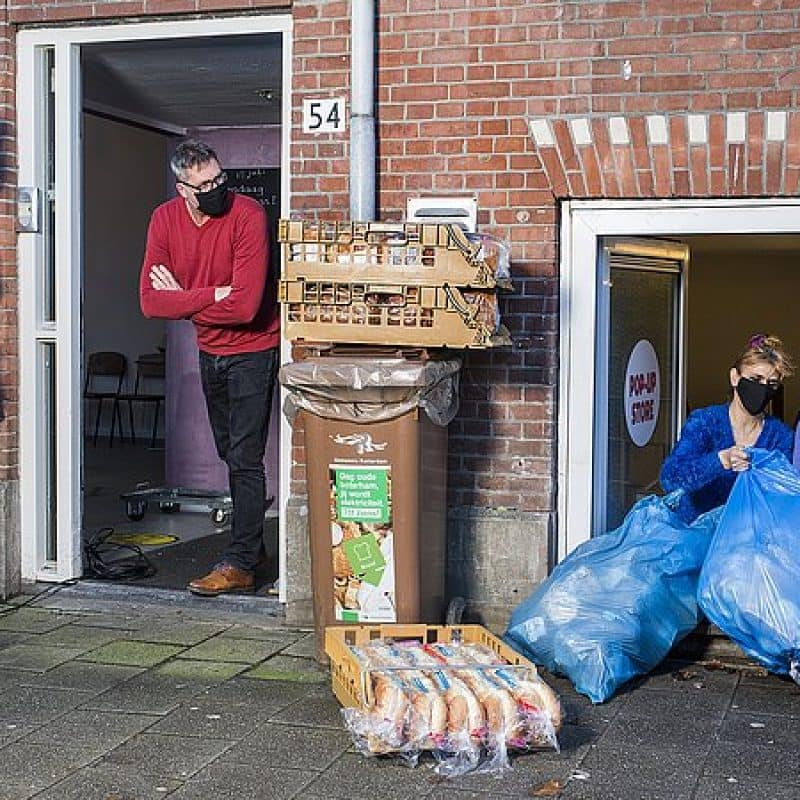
(740, 258)
(150, 474)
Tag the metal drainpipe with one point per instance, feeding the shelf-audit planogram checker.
(362, 103)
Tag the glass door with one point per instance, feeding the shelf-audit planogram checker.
(639, 388)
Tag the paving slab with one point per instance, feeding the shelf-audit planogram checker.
(33, 620)
(707, 706)
(35, 657)
(354, 775)
(689, 678)
(83, 675)
(183, 632)
(304, 647)
(38, 704)
(763, 729)
(265, 633)
(235, 782)
(199, 717)
(96, 731)
(294, 747)
(10, 677)
(148, 693)
(748, 761)
(8, 638)
(205, 671)
(80, 637)
(757, 700)
(165, 756)
(245, 651)
(715, 788)
(762, 680)
(612, 773)
(445, 792)
(11, 731)
(288, 668)
(132, 653)
(98, 783)
(319, 708)
(262, 698)
(28, 768)
(527, 771)
(675, 732)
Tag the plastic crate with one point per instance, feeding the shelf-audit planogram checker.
(349, 680)
(382, 314)
(409, 253)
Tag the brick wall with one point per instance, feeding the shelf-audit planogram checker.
(459, 83)
(9, 458)
(460, 80)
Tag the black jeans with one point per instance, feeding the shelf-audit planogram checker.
(238, 392)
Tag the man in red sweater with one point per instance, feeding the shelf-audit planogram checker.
(206, 260)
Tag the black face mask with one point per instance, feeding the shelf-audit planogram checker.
(755, 396)
(213, 203)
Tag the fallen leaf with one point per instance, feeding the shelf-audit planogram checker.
(684, 675)
(551, 788)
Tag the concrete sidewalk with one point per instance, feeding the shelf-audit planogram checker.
(118, 694)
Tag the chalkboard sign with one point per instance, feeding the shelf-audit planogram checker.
(264, 185)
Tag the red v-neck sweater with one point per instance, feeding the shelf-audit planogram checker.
(230, 250)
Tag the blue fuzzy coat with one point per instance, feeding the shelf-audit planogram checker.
(694, 465)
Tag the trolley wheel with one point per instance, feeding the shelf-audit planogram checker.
(220, 517)
(455, 611)
(169, 507)
(135, 509)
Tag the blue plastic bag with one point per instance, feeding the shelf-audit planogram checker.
(616, 605)
(750, 583)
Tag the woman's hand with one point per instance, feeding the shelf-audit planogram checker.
(734, 458)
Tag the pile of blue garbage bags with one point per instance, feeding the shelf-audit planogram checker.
(617, 604)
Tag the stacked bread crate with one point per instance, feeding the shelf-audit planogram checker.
(407, 284)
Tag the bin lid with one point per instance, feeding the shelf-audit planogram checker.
(372, 388)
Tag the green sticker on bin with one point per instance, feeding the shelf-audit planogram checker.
(366, 558)
(362, 494)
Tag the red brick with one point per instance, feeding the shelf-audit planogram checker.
(662, 170)
(737, 167)
(774, 162)
(591, 169)
(627, 176)
(698, 157)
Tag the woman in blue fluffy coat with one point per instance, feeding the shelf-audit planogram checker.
(711, 448)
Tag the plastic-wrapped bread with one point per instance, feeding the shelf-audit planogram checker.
(525, 685)
(465, 717)
(429, 723)
(388, 713)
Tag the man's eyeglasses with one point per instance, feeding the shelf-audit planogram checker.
(207, 186)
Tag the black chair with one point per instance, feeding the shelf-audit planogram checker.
(105, 372)
(149, 368)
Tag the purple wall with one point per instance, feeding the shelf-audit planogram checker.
(191, 458)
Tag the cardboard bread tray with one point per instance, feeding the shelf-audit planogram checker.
(349, 679)
(409, 252)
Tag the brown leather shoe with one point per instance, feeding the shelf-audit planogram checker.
(223, 578)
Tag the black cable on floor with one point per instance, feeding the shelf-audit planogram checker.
(98, 548)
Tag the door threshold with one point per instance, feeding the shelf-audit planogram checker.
(101, 597)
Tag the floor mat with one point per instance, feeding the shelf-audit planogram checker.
(178, 564)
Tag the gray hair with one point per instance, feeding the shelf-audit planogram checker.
(189, 154)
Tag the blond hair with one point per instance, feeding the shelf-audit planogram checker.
(766, 347)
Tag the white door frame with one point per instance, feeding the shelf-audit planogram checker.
(583, 223)
(66, 332)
